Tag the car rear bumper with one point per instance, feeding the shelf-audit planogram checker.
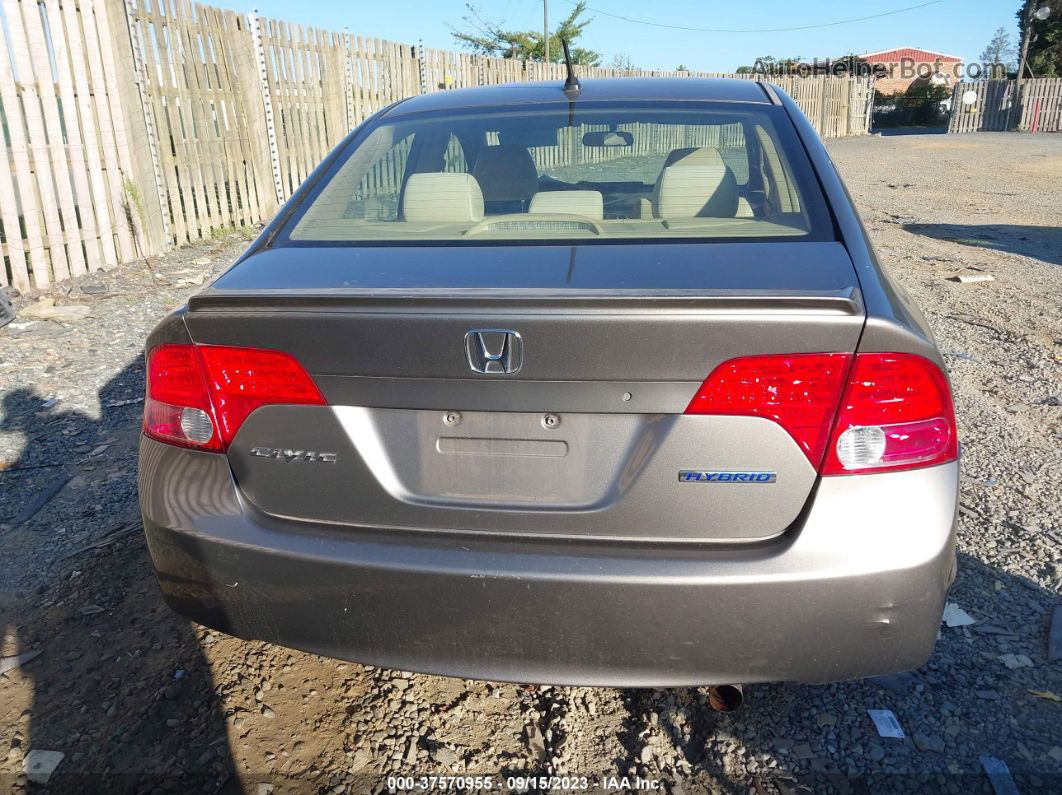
(858, 590)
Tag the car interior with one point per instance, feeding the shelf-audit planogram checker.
(490, 178)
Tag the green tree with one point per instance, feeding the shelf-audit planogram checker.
(486, 37)
(1045, 43)
(1000, 49)
(850, 65)
(772, 65)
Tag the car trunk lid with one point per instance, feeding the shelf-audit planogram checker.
(586, 438)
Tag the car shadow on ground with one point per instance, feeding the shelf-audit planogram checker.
(1039, 242)
(965, 703)
(121, 686)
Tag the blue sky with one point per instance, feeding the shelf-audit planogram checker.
(959, 27)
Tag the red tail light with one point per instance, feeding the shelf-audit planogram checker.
(799, 391)
(199, 395)
(896, 414)
(896, 410)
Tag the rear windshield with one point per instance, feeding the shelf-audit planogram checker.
(597, 172)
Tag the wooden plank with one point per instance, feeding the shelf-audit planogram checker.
(301, 128)
(315, 142)
(223, 112)
(247, 97)
(82, 197)
(186, 92)
(1053, 116)
(203, 145)
(238, 54)
(235, 208)
(179, 110)
(40, 160)
(365, 66)
(9, 191)
(304, 141)
(95, 158)
(139, 229)
(277, 88)
(169, 87)
(314, 99)
(14, 247)
(286, 120)
(56, 143)
(354, 82)
(324, 79)
(168, 126)
(265, 66)
(216, 110)
(212, 117)
(294, 133)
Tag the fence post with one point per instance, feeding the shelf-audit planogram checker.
(871, 97)
(855, 108)
(423, 68)
(151, 134)
(267, 101)
(956, 107)
(350, 81)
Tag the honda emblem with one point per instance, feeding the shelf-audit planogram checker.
(494, 351)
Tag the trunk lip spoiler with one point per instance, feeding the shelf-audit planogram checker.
(846, 301)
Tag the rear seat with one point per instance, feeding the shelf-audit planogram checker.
(507, 176)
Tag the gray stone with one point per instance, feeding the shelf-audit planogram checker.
(93, 287)
(928, 742)
(46, 309)
(444, 756)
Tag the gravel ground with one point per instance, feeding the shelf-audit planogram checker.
(136, 698)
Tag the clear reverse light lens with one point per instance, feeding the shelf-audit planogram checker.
(861, 447)
(196, 425)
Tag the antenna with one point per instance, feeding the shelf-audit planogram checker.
(571, 85)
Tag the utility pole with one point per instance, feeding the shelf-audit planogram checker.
(545, 31)
(1031, 13)
(1026, 36)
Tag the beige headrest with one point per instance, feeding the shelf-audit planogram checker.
(587, 203)
(506, 173)
(696, 191)
(694, 156)
(442, 197)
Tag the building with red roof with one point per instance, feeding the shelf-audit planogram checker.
(898, 69)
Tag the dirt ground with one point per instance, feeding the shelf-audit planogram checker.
(137, 699)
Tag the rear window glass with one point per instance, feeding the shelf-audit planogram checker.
(600, 172)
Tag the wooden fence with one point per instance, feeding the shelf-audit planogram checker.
(995, 106)
(132, 126)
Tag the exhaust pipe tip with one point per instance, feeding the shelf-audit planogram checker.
(726, 698)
